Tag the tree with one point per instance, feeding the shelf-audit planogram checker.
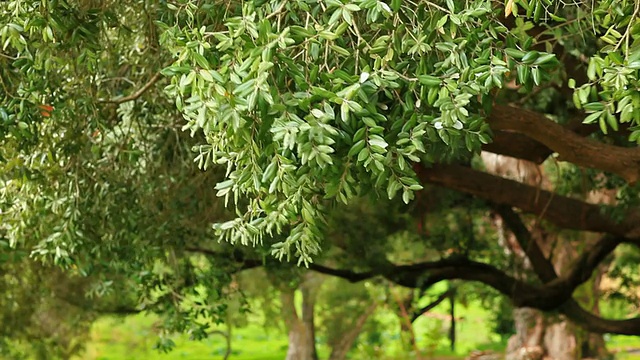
(307, 106)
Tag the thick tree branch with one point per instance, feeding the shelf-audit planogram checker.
(562, 287)
(520, 146)
(583, 267)
(569, 145)
(425, 274)
(597, 324)
(563, 211)
(579, 273)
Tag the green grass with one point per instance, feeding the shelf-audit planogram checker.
(133, 337)
(621, 345)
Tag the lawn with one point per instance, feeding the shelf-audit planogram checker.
(132, 337)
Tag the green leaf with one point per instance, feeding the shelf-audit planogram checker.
(591, 118)
(594, 106)
(429, 80)
(544, 59)
(514, 53)
(200, 60)
(530, 57)
(344, 111)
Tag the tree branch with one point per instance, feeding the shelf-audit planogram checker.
(522, 147)
(344, 274)
(563, 211)
(522, 294)
(583, 267)
(597, 324)
(569, 145)
(579, 273)
(416, 315)
(562, 287)
(135, 95)
(541, 265)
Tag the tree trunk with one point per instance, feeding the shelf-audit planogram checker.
(538, 335)
(550, 336)
(452, 313)
(341, 349)
(301, 328)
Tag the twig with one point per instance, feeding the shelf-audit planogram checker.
(277, 11)
(627, 33)
(136, 94)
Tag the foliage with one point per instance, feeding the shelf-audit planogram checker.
(303, 116)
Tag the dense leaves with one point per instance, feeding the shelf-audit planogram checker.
(125, 126)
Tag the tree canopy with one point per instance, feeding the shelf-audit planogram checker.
(327, 127)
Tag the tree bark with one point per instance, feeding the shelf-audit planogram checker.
(569, 145)
(301, 328)
(563, 211)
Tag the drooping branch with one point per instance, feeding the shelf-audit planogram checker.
(563, 211)
(425, 274)
(569, 145)
(596, 324)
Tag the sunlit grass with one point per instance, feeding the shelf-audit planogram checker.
(133, 337)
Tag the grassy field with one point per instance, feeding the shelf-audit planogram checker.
(133, 338)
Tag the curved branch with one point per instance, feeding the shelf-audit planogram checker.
(579, 273)
(569, 145)
(563, 211)
(425, 274)
(519, 146)
(136, 94)
(344, 274)
(596, 324)
(562, 287)
(583, 267)
(227, 339)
